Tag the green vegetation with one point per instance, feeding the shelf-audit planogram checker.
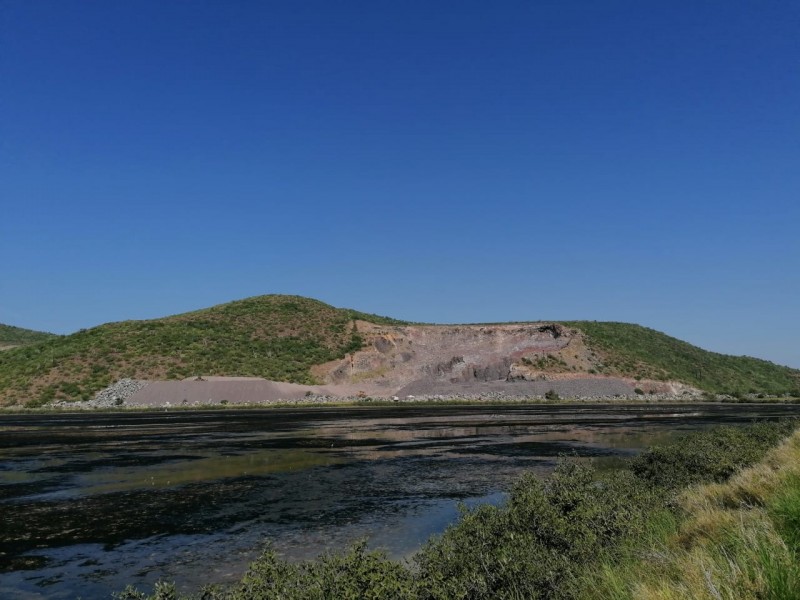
(636, 351)
(17, 336)
(561, 537)
(547, 362)
(276, 337)
(552, 395)
(734, 540)
(283, 337)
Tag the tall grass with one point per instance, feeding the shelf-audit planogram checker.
(735, 540)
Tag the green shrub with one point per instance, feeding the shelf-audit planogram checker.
(352, 575)
(708, 456)
(532, 546)
(162, 591)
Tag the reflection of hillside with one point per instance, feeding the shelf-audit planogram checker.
(407, 435)
(202, 469)
(426, 439)
(612, 435)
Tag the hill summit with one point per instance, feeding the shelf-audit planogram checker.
(11, 337)
(304, 341)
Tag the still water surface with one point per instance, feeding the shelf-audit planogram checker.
(92, 502)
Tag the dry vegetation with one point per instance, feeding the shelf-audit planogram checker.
(737, 540)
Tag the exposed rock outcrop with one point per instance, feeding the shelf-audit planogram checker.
(437, 358)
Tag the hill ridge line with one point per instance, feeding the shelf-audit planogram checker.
(304, 341)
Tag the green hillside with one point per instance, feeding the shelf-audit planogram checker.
(282, 337)
(276, 337)
(636, 351)
(17, 336)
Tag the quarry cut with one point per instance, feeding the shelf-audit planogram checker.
(404, 362)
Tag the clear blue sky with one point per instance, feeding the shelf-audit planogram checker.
(442, 162)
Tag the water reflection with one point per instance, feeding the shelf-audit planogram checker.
(206, 468)
(92, 502)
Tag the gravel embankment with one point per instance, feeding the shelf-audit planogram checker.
(570, 388)
(114, 395)
(219, 391)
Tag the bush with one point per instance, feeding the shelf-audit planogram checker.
(353, 575)
(532, 546)
(708, 456)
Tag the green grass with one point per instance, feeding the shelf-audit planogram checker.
(784, 510)
(636, 351)
(735, 540)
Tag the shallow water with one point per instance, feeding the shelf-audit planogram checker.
(92, 502)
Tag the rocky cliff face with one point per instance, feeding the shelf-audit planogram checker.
(432, 358)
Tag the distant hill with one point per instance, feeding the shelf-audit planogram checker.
(17, 336)
(300, 340)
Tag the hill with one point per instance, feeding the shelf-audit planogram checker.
(300, 340)
(636, 351)
(11, 336)
(275, 337)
